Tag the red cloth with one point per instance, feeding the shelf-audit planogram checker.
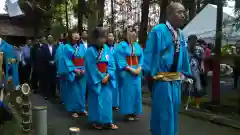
(102, 66)
(78, 61)
(132, 60)
(207, 63)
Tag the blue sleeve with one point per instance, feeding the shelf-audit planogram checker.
(111, 67)
(65, 65)
(121, 58)
(149, 53)
(141, 58)
(68, 55)
(186, 63)
(91, 67)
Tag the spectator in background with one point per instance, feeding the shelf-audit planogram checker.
(63, 38)
(48, 77)
(206, 52)
(196, 55)
(26, 61)
(34, 65)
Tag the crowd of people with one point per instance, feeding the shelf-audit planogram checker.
(95, 70)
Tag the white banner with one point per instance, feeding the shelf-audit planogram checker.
(13, 9)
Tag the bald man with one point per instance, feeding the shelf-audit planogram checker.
(165, 60)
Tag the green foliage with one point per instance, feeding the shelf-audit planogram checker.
(227, 50)
(84, 8)
(57, 29)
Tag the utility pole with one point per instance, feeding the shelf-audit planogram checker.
(217, 56)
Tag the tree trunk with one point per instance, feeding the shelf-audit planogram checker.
(163, 12)
(66, 14)
(218, 43)
(81, 8)
(101, 4)
(192, 10)
(93, 14)
(112, 16)
(237, 5)
(144, 22)
(198, 6)
(205, 2)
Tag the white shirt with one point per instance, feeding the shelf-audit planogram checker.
(85, 44)
(50, 49)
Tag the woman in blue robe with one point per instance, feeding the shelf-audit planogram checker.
(10, 60)
(129, 58)
(165, 60)
(58, 57)
(73, 82)
(99, 70)
(115, 91)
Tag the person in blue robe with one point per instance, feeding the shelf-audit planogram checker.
(115, 91)
(10, 60)
(99, 70)
(73, 82)
(129, 59)
(5, 114)
(58, 57)
(165, 60)
(78, 60)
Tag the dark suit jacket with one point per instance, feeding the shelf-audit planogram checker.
(35, 54)
(45, 58)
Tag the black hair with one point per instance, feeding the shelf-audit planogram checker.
(97, 32)
(192, 37)
(201, 41)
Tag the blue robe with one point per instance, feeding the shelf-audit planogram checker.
(115, 90)
(99, 95)
(165, 95)
(58, 57)
(118, 78)
(9, 53)
(70, 83)
(130, 89)
(80, 51)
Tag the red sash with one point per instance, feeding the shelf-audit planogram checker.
(132, 60)
(102, 66)
(78, 61)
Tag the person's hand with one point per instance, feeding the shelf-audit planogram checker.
(78, 72)
(105, 79)
(133, 71)
(127, 68)
(23, 63)
(138, 70)
(82, 72)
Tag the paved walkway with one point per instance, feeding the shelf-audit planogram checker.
(59, 122)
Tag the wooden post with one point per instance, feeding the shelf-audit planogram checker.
(216, 63)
